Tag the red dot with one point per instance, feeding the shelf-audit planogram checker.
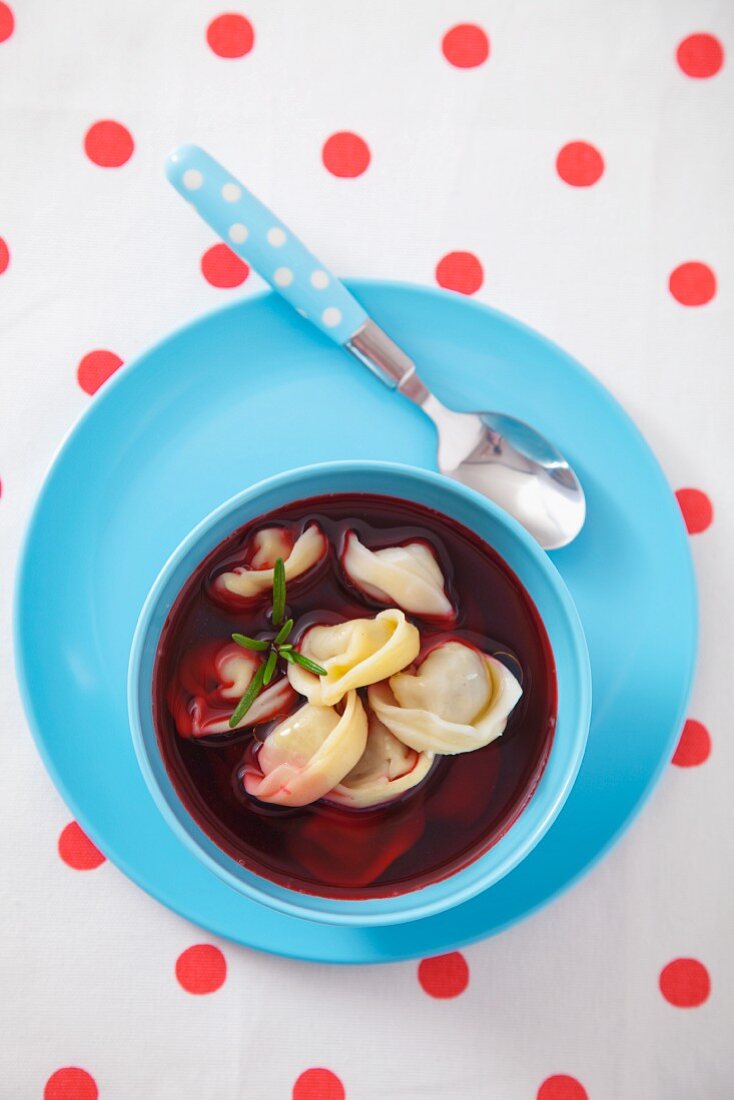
(76, 849)
(692, 284)
(95, 368)
(230, 35)
(685, 983)
(7, 22)
(562, 1087)
(579, 164)
(70, 1083)
(694, 747)
(346, 154)
(465, 46)
(444, 976)
(221, 267)
(4, 256)
(201, 968)
(700, 55)
(697, 509)
(109, 144)
(318, 1084)
(460, 271)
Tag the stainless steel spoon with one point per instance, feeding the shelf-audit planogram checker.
(503, 458)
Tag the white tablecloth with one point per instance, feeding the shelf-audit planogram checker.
(454, 144)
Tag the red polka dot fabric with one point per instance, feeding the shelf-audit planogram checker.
(692, 283)
(77, 850)
(460, 271)
(222, 268)
(71, 1083)
(560, 1086)
(700, 55)
(7, 22)
(201, 969)
(318, 1084)
(466, 46)
(579, 164)
(346, 155)
(445, 976)
(95, 368)
(565, 164)
(108, 144)
(230, 35)
(694, 747)
(685, 983)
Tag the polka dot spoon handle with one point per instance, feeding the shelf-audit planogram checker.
(255, 234)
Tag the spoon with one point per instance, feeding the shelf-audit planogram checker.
(503, 458)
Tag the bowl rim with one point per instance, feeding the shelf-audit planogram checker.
(413, 904)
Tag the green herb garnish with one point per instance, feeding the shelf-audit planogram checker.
(258, 644)
(277, 647)
(278, 592)
(307, 663)
(283, 633)
(248, 698)
(270, 666)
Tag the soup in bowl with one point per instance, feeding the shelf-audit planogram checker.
(359, 692)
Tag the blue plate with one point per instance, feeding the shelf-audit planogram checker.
(250, 391)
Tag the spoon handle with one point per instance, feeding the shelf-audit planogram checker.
(255, 234)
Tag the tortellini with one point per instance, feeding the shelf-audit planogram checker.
(386, 770)
(244, 583)
(408, 576)
(457, 700)
(355, 654)
(308, 754)
(199, 712)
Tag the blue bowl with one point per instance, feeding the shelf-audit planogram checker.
(540, 579)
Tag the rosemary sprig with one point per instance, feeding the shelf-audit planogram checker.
(270, 666)
(307, 663)
(258, 644)
(278, 592)
(248, 698)
(276, 648)
(283, 633)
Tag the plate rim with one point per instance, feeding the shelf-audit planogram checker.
(107, 395)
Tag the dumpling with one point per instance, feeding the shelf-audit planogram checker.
(457, 700)
(386, 769)
(408, 576)
(355, 653)
(212, 680)
(247, 582)
(308, 754)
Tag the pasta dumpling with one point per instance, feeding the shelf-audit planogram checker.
(386, 769)
(308, 754)
(408, 576)
(457, 700)
(213, 680)
(247, 582)
(355, 653)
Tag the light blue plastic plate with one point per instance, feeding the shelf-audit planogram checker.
(250, 391)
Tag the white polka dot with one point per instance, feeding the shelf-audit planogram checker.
(231, 192)
(319, 279)
(283, 276)
(192, 179)
(276, 237)
(331, 317)
(238, 232)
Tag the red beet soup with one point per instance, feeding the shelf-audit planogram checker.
(462, 805)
